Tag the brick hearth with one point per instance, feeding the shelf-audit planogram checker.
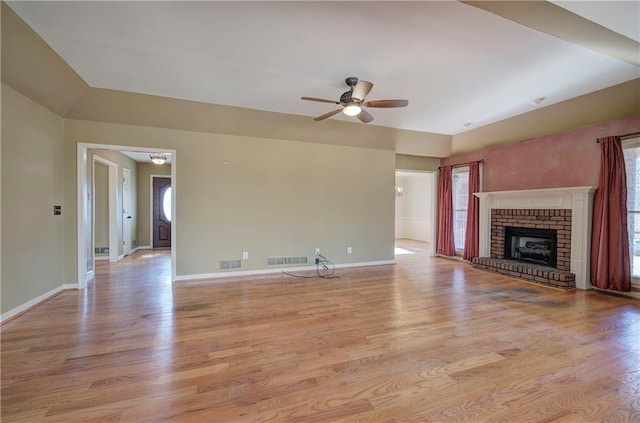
(558, 219)
(543, 275)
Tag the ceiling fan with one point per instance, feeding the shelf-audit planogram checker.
(353, 101)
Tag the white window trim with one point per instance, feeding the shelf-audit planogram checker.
(628, 144)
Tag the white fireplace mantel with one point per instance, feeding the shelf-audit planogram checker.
(578, 199)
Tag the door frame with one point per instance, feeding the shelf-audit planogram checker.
(152, 177)
(112, 201)
(82, 193)
(126, 235)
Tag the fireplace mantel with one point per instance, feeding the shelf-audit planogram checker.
(578, 199)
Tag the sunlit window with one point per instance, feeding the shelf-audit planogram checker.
(632, 167)
(460, 205)
(166, 204)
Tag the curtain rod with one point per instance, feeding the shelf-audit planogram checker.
(629, 135)
(481, 161)
(468, 163)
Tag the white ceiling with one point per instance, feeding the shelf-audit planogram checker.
(455, 63)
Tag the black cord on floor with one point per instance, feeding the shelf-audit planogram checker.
(325, 269)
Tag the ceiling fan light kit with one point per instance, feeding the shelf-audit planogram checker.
(351, 110)
(353, 101)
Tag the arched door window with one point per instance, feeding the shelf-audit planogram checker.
(166, 204)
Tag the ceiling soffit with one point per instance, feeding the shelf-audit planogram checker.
(32, 68)
(545, 17)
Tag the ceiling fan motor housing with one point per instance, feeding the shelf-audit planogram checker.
(351, 81)
(345, 98)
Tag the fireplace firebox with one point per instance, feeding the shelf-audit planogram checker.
(531, 245)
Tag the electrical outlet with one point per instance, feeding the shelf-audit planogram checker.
(317, 251)
(349, 251)
(245, 255)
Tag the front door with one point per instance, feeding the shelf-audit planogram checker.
(161, 212)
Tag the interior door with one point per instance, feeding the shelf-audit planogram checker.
(126, 211)
(161, 212)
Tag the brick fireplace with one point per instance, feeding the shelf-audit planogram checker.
(566, 211)
(557, 220)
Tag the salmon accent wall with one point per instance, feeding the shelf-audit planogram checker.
(566, 159)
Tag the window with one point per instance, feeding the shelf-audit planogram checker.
(166, 204)
(632, 166)
(460, 204)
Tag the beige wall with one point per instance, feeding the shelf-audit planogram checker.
(271, 198)
(417, 163)
(145, 170)
(32, 183)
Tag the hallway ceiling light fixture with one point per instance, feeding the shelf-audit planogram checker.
(158, 158)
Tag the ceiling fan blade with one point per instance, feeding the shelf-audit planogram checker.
(361, 90)
(364, 116)
(321, 100)
(326, 115)
(387, 103)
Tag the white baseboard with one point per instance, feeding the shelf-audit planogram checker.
(220, 275)
(99, 258)
(143, 247)
(34, 302)
(364, 264)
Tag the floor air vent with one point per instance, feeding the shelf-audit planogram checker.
(286, 261)
(230, 264)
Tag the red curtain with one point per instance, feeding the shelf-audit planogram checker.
(473, 209)
(610, 266)
(446, 245)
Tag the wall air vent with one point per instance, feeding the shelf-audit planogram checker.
(230, 264)
(286, 261)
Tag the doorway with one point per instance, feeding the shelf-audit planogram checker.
(104, 238)
(84, 199)
(161, 211)
(416, 213)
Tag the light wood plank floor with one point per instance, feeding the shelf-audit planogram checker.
(425, 340)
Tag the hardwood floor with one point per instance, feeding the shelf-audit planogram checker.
(425, 340)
